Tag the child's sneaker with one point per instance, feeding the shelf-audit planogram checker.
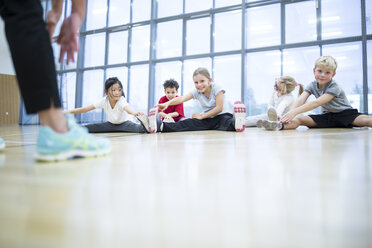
(2, 144)
(239, 114)
(152, 120)
(271, 114)
(270, 125)
(144, 121)
(77, 142)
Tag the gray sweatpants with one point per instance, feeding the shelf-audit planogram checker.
(108, 127)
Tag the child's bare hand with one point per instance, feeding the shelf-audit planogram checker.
(288, 117)
(197, 116)
(162, 106)
(138, 113)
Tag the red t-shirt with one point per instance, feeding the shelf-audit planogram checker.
(174, 108)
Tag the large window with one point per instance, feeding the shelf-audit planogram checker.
(245, 45)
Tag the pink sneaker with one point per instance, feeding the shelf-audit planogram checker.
(239, 114)
(152, 119)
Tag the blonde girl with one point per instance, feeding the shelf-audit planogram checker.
(280, 101)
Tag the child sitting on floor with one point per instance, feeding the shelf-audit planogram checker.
(280, 102)
(117, 110)
(173, 113)
(336, 109)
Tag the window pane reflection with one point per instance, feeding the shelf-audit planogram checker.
(119, 12)
(225, 37)
(227, 73)
(263, 26)
(340, 18)
(163, 72)
(300, 22)
(96, 14)
(349, 74)
(169, 44)
(94, 50)
(68, 90)
(369, 16)
(139, 88)
(118, 43)
(93, 86)
(169, 7)
(140, 43)
(141, 10)
(222, 3)
(198, 36)
(197, 5)
(260, 80)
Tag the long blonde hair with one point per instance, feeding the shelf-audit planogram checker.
(288, 84)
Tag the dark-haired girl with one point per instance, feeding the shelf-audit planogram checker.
(117, 109)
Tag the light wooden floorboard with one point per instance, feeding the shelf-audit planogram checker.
(301, 188)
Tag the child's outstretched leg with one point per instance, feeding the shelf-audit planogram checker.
(2, 144)
(271, 114)
(363, 121)
(155, 124)
(270, 125)
(144, 119)
(239, 114)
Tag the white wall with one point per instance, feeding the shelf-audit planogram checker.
(6, 65)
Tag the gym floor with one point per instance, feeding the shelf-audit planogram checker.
(299, 188)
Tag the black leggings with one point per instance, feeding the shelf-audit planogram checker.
(31, 52)
(224, 122)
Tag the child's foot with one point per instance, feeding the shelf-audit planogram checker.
(239, 114)
(2, 144)
(168, 120)
(144, 121)
(152, 120)
(270, 125)
(271, 113)
(77, 142)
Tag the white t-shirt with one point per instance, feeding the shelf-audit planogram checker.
(116, 115)
(282, 104)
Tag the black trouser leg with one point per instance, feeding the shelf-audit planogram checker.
(31, 52)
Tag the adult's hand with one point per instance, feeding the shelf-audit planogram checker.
(68, 37)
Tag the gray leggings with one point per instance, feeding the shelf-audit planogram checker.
(108, 127)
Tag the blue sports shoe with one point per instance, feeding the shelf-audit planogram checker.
(52, 146)
(2, 144)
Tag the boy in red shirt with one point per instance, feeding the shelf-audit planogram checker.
(172, 113)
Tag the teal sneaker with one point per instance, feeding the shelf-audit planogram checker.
(52, 146)
(2, 144)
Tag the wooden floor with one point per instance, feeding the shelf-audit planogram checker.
(301, 188)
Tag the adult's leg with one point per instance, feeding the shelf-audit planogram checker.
(33, 60)
(300, 121)
(363, 121)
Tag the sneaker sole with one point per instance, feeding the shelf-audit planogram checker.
(272, 115)
(152, 120)
(239, 113)
(272, 126)
(72, 154)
